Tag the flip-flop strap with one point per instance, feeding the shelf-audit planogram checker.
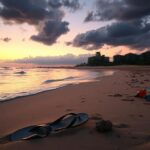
(69, 125)
(38, 130)
(61, 118)
(48, 128)
(72, 122)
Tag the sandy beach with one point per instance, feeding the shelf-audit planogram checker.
(110, 98)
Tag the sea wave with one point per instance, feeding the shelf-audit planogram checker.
(57, 80)
(33, 81)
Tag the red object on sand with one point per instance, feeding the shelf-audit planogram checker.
(141, 93)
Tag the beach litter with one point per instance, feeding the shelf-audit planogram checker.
(144, 94)
(147, 97)
(141, 93)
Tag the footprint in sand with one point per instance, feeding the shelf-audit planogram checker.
(121, 125)
(69, 110)
(141, 116)
(116, 95)
(129, 100)
(96, 117)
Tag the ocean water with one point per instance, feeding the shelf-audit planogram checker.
(16, 82)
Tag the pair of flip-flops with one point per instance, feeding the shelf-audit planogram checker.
(67, 121)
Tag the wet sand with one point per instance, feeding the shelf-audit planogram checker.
(110, 98)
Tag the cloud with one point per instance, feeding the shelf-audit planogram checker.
(45, 15)
(90, 17)
(119, 10)
(6, 39)
(34, 11)
(51, 31)
(68, 59)
(134, 34)
(71, 4)
(131, 27)
(23, 11)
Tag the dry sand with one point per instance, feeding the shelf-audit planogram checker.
(111, 98)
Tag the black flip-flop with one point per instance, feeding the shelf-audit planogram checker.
(67, 121)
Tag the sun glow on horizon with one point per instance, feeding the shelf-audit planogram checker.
(24, 49)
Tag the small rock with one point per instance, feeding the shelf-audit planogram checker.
(104, 126)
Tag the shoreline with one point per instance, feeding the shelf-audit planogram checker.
(112, 99)
(48, 90)
(26, 96)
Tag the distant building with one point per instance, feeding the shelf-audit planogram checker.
(128, 59)
(145, 58)
(98, 60)
(118, 59)
(132, 59)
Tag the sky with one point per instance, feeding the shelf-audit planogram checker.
(69, 31)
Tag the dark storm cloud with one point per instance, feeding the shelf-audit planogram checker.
(90, 17)
(40, 13)
(21, 11)
(119, 10)
(51, 31)
(135, 34)
(55, 3)
(72, 4)
(131, 27)
(34, 11)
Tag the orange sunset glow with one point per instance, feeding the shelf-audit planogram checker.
(27, 36)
